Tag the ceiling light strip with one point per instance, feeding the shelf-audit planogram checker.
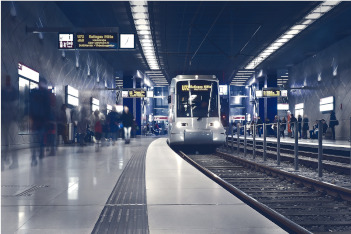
(311, 17)
(142, 24)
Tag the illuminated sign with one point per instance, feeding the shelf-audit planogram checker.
(66, 41)
(96, 41)
(284, 93)
(326, 104)
(125, 94)
(136, 93)
(283, 106)
(299, 109)
(271, 93)
(72, 96)
(223, 89)
(196, 87)
(150, 94)
(28, 73)
(259, 93)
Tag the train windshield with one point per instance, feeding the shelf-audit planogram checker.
(197, 98)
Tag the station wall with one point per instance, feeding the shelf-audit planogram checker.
(336, 58)
(40, 52)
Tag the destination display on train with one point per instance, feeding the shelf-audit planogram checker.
(98, 41)
(196, 87)
(136, 93)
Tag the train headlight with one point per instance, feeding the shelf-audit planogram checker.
(215, 124)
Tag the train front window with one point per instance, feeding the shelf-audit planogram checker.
(197, 98)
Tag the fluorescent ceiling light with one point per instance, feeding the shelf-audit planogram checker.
(141, 9)
(313, 15)
(141, 22)
(143, 27)
(307, 22)
(137, 16)
(138, 3)
(144, 32)
(299, 27)
(283, 40)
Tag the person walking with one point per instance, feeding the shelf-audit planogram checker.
(62, 123)
(299, 123)
(332, 123)
(39, 113)
(96, 121)
(283, 127)
(127, 120)
(305, 127)
(112, 118)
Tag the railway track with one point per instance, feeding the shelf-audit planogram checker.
(338, 162)
(297, 204)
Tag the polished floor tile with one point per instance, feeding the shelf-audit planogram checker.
(72, 188)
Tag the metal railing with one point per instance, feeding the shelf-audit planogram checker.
(235, 132)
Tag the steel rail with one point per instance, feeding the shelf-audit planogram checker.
(330, 189)
(274, 216)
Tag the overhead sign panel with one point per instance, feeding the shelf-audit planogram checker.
(66, 41)
(136, 93)
(98, 41)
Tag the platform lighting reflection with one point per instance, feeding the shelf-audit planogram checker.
(311, 17)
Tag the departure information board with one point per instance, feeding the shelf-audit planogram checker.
(136, 93)
(96, 41)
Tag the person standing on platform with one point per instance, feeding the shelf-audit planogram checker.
(332, 123)
(299, 125)
(127, 120)
(305, 127)
(293, 121)
(259, 126)
(288, 122)
(283, 127)
(275, 124)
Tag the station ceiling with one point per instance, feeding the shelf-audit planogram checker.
(214, 37)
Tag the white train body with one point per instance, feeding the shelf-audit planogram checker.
(194, 111)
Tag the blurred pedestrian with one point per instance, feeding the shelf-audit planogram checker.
(275, 125)
(39, 113)
(82, 124)
(259, 126)
(283, 127)
(293, 122)
(96, 122)
(299, 125)
(127, 120)
(51, 131)
(62, 123)
(332, 123)
(112, 119)
(9, 97)
(305, 127)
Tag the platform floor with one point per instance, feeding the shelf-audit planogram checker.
(68, 192)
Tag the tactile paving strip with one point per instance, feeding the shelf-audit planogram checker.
(126, 209)
(26, 193)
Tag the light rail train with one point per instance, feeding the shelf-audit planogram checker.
(194, 111)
